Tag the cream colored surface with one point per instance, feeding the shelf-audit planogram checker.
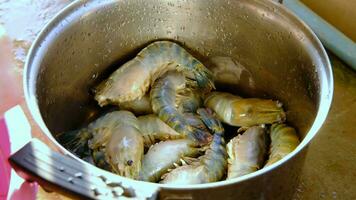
(340, 13)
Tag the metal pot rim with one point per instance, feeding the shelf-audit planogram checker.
(326, 89)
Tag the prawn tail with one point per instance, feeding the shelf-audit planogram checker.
(204, 78)
(76, 141)
(210, 121)
(215, 157)
(200, 136)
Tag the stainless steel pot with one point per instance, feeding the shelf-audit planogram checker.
(276, 55)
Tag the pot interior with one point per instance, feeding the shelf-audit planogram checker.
(266, 53)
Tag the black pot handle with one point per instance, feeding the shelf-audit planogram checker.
(56, 172)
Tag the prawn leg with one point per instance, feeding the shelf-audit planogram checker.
(76, 141)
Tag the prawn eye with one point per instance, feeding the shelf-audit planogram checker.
(129, 162)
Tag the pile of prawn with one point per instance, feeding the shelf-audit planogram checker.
(168, 126)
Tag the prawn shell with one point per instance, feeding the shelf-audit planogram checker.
(102, 128)
(164, 103)
(195, 121)
(284, 140)
(187, 174)
(237, 111)
(127, 83)
(190, 101)
(162, 156)
(95, 135)
(140, 106)
(118, 133)
(246, 152)
(154, 129)
(124, 151)
(209, 167)
(132, 80)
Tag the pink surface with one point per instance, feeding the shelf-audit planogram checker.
(5, 168)
(25, 190)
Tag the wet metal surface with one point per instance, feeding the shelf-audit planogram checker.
(23, 19)
(329, 169)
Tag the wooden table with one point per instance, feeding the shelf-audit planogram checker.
(329, 170)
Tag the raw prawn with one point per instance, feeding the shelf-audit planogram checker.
(132, 80)
(153, 129)
(163, 155)
(103, 127)
(124, 150)
(190, 102)
(116, 132)
(164, 94)
(237, 111)
(284, 140)
(246, 152)
(207, 168)
(77, 141)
